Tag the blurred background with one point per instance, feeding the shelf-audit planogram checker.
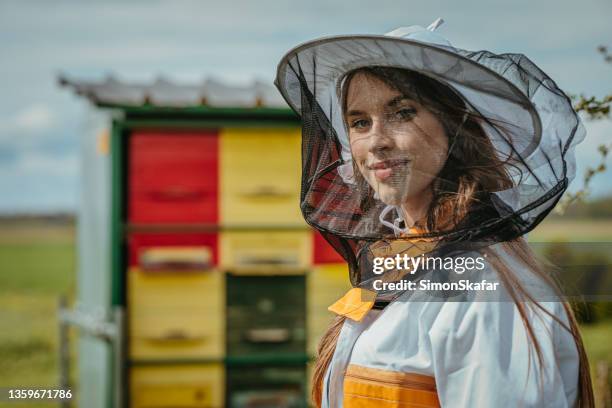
(152, 252)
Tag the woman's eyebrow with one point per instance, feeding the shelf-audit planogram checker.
(397, 100)
(354, 113)
(392, 103)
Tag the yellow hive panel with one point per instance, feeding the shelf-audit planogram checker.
(260, 176)
(176, 315)
(177, 386)
(325, 285)
(266, 251)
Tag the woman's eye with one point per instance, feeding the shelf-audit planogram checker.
(359, 124)
(405, 113)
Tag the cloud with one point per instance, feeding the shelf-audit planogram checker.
(29, 120)
(34, 128)
(33, 118)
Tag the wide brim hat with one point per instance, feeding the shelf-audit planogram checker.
(528, 119)
(481, 78)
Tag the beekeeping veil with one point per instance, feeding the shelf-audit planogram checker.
(530, 127)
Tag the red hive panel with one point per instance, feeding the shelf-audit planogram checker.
(324, 253)
(173, 177)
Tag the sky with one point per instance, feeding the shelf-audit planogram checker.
(237, 41)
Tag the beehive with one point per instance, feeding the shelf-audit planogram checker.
(224, 286)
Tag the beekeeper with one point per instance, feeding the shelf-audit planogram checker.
(413, 147)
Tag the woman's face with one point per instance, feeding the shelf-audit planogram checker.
(398, 145)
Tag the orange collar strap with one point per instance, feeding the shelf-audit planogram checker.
(355, 304)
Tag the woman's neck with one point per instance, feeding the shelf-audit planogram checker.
(415, 208)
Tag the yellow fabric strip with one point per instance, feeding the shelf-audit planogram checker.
(366, 387)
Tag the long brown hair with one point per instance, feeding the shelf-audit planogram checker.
(472, 169)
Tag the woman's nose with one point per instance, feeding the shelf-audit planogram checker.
(380, 138)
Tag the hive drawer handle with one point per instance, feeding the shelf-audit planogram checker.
(267, 191)
(174, 259)
(268, 335)
(176, 193)
(176, 335)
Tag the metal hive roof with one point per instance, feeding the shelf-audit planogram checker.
(162, 92)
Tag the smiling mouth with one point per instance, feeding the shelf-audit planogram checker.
(385, 168)
(390, 163)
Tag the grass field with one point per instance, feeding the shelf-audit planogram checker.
(37, 263)
(574, 230)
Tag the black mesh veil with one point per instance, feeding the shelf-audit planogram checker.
(509, 135)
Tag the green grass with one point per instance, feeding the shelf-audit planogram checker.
(37, 259)
(28, 342)
(574, 230)
(596, 339)
(39, 268)
(37, 264)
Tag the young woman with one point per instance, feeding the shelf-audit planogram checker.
(415, 148)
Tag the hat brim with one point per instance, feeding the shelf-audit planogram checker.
(322, 63)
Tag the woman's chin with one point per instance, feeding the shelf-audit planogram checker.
(391, 196)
